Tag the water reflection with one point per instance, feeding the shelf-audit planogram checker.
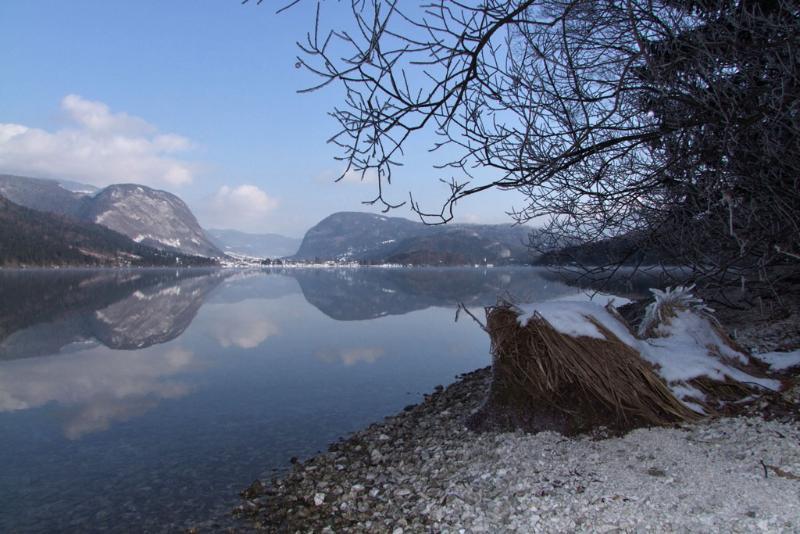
(76, 315)
(43, 313)
(350, 356)
(141, 400)
(95, 386)
(134, 310)
(241, 324)
(347, 295)
(152, 315)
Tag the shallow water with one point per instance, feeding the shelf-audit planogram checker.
(145, 400)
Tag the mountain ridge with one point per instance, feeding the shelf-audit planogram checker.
(149, 216)
(31, 237)
(260, 245)
(371, 238)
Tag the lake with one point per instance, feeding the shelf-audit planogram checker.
(145, 400)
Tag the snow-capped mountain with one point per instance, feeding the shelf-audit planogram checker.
(351, 235)
(151, 217)
(254, 245)
(374, 238)
(31, 237)
(42, 195)
(147, 216)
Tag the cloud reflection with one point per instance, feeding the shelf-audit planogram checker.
(240, 325)
(350, 356)
(97, 387)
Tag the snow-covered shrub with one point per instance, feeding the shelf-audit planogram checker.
(667, 303)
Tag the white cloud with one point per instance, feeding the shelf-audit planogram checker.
(361, 177)
(350, 177)
(99, 147)
(470, 218)
(244, 207)
(97, 117)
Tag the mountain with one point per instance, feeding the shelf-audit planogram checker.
(373, 238)
(31, 237)
(352, 235)
(42, 195)
(256, 245)
(151, 217)
(148, 216)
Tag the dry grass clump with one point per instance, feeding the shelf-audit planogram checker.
(572, 384)
(666, 305)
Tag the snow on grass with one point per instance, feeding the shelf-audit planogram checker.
(664, 302)
(682, 342)
(779, 361)
(572, 318)
(684, 349)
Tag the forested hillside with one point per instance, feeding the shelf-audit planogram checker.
(34, 238)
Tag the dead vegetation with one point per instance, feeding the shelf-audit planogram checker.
(544, 379)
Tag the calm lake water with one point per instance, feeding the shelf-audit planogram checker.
(145, 400)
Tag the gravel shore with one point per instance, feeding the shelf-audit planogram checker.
(423, 471)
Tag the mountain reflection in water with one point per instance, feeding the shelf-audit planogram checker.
(43, 312)
(145, 399)
(136, 309)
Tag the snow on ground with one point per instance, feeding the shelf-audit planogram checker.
(175, 243)
(780, 361)
(423, 471)
(681, 352)
(703, 478)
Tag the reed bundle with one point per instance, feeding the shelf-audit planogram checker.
(574, 383)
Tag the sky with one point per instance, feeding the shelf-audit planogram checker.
(195, 97)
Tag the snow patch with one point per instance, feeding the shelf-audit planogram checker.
(172, 291)
(175, 243)
(681, 349)
(680, 297)
(779, 361)
(572, 318)
(102, 217)
(682, 346)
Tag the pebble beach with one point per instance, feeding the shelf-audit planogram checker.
(423, 471)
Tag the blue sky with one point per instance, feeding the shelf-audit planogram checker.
(197, 97)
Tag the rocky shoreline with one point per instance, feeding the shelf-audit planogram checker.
(423, 471)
